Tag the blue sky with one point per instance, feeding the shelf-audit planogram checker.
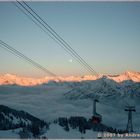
(105, 34)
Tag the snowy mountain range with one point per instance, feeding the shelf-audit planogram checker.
(107, 90)
(10, 79)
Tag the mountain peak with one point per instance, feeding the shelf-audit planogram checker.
(128, 75)
(130, 72)
(10, 75)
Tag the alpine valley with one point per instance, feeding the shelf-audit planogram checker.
(62, 107)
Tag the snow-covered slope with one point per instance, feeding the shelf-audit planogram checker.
(9, 134)
(9, 79)
(58, 132)
(11, 119)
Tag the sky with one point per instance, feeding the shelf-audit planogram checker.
(105, 34)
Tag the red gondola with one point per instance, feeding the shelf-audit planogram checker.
(96, 118)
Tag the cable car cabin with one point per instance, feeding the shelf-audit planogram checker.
(96, 118)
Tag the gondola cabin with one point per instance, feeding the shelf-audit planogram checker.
(96, 118)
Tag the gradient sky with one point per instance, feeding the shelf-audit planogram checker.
(105, 34)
